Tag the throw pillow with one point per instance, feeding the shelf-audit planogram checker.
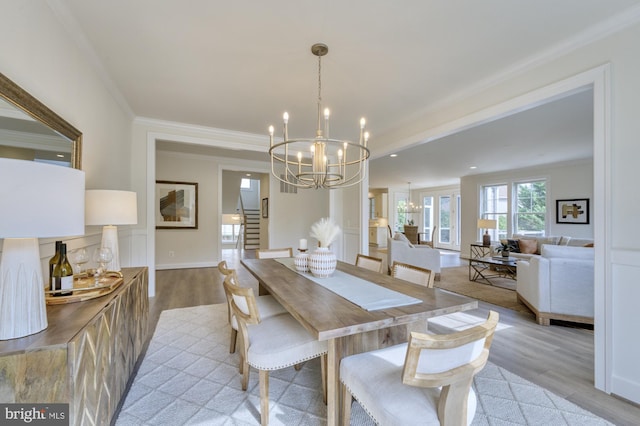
(401, 237)
(528, 246)
(514, 246)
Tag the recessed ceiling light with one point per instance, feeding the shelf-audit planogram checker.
(60, 155)
(473, 167)
(393, 155)
(248, 174)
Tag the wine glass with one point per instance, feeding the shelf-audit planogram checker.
(79, 257)
(102, 256)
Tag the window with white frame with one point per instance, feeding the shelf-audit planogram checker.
(495, 206)
(530, 207)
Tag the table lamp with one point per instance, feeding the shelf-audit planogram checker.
(110, 208)
(486, 224)
(38, 201)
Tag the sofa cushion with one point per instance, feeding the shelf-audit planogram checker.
(552, 251)
(528, 246)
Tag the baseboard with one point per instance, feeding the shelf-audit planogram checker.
(160, 267)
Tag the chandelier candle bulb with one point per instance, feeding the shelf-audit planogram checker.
(302, 245)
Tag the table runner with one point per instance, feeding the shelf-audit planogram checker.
(367, 295)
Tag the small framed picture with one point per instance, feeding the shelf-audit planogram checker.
(265, 208)
(176, 205)
(573, 211)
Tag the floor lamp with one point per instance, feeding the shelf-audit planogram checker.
(110, 208)
(38, 201)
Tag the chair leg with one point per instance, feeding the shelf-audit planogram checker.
(232, 343)
(244, 368)
(347, 399)
(264, 397)
(323, 373)
(452, 405)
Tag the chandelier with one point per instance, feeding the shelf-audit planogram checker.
(410, 207)
(319, 162)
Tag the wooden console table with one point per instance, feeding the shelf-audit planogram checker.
(86, 355)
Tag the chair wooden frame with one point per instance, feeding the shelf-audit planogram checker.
(225, 271)
(368, 262)
(247, 313)
(396, 266)
(455, 383)
(274, 253)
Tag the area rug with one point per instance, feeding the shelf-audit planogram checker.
(188, 377)
(502, 293)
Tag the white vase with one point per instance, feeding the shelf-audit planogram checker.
(301, 260)
(323, 262)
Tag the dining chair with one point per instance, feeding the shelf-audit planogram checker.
(271, 343)
(274, 253)
(425, 381)
(412, 273)
(267, 305)
(369, 262)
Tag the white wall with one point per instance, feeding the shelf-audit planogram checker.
(565, 181)
(40, 55)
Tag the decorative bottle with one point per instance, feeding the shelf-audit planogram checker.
(63, 273)
(52, 264)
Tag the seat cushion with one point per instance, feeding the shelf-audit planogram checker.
(280, 341)
(375, 380)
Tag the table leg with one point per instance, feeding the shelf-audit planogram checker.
(334, 355)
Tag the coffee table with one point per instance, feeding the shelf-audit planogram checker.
(484, 269)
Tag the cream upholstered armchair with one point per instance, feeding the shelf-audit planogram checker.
(414, 274)
(274, 253)
(369, 262)
(267, 305)
(270, 343)
(399, 249)
(427, 381)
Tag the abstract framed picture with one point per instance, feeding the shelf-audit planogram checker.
(176, 205)
(265, 208)
(574, 211)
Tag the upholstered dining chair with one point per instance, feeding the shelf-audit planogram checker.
(274, 253)
(369, 262)
(267, 305)
(270, 343)
(414, 274)
(425, 381)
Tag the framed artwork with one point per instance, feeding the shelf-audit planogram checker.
(573, 211)
(265, 208)
(176, 205)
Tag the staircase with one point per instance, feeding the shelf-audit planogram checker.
(251, 229)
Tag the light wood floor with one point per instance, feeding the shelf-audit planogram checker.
(558, 358)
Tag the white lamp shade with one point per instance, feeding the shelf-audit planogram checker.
(110, 207)
(40, 200)
(487, 223)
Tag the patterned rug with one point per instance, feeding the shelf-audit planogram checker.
(188, 377)
(502, 293)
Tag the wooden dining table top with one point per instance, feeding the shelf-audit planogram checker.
(327, 315)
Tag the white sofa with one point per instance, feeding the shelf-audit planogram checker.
(558, 284)
(401, 250)
(562, 240)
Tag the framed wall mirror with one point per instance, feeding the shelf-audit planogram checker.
(29, 130)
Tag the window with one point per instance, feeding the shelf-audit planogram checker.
(427, 203)
(445, 219)
(230, 233)
(494, 205)
(245, 183)
(530, 207)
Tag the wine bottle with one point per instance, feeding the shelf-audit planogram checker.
(52, 263)
(63, 273)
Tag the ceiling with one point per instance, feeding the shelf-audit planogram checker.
(240, 65)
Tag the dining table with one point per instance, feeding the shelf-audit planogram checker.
(349, 327)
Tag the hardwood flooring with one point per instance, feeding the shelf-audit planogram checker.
(558, 358)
